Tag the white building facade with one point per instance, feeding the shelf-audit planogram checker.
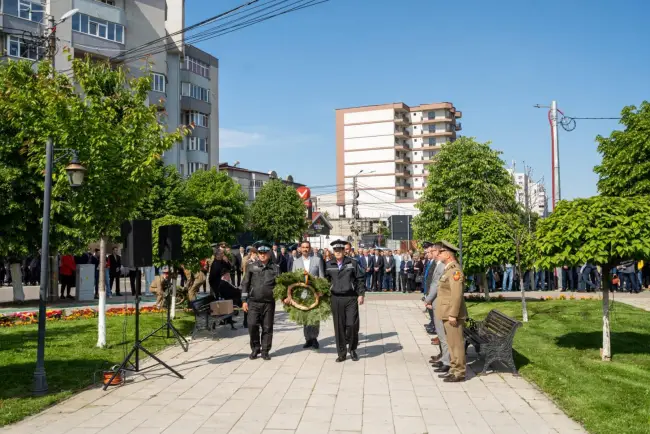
(388, 149)
(530, 194)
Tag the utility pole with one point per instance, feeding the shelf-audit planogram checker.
(355, 211)
(555, 152)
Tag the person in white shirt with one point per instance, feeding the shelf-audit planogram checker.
(314, 266)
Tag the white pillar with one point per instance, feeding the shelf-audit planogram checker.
(17, 282)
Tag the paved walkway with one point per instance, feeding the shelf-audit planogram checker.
(391, 389)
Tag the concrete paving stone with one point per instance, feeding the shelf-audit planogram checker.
(543, 406)
(322, 401)
(472, 423)
(347, 405)
(244, 427)
(369, 428)
(432, 403)
(317, 414)
(313, 428)
(284, 421)
(440, 418)
(291, 406)
(162, 419)
(499, 418)
(346, 422)
(221, 422)
(377, 416)
(277, 431)
(84, 430)
(409, 425)
(376, 401)
(100, 420)
(235, 406)
(487, 404)
(562, 423)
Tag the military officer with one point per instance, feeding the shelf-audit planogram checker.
(450, 307)
(348, 290)
(161, 285)
(258, 301)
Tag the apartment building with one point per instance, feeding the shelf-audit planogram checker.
(185, 78)
(388, 148)
(251, 181)
(530, 194)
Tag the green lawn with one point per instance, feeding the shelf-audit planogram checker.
(71, 358)
(559, 350)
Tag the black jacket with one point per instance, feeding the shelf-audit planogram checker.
(349, 280)
(259, 282)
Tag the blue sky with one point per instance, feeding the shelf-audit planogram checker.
(281, 80)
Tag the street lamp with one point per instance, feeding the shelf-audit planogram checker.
(76, 174)
(447, 213)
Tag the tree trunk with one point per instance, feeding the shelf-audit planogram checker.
(17, 282)
(606, 351)
(101, 310)
(486, 286)
(524, 309)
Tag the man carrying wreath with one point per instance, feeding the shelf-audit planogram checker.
(348, 290)
(312, 266)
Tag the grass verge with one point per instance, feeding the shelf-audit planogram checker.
(559, 350)
(71, 358)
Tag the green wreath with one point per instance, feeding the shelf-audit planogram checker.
(309, 297)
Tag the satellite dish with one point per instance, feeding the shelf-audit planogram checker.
(273, 174)
(68, 14)
(290, 179)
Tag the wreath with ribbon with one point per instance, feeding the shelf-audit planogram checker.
(306, 298)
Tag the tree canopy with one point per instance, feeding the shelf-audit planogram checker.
(467, 170)
(600, 230)
(164, 194)
(625, 168)
(219, 200)
(487, 241)
(278, 213)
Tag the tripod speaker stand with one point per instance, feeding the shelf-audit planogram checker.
(137, 346)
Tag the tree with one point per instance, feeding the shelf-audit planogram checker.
(599, 230)
(625, 168)
(164, 194)
(119, 140)
(278, 213)
(219, 200)
(467, 170)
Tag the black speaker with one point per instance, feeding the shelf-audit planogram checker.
(137, 244)
(400, 227)
(170, 238)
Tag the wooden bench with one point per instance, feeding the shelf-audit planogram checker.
(493, 338)
(204, 320)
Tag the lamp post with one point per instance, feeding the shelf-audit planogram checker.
(460, 228)
(76, 174)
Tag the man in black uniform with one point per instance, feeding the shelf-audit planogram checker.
(258, 301)
(348, 290)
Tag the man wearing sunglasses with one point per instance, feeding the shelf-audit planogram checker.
(450, 307)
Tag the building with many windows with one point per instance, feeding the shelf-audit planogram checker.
(252, 181)
(530, 194)
(185, 79)
(388, 148)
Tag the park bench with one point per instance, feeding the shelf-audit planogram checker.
(493, 338)
(204, 320)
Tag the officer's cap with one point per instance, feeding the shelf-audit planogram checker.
(262, 246)
(446, 245)
(427, 244)
(235, 246)
(164, 269)
(214, 245)
(338, 244)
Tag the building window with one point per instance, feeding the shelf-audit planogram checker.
(158, 82)
(193, 167)
(196, 118)
(258, 183)
(197, 67)
(32, 11)
(197, 144)
(182, 170)
(83, 23)
(194, 91)
(18, 47)
(108, 2)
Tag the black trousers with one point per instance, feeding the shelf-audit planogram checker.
(260, 314)
(115, 277)
(345, 313)
(378, 280)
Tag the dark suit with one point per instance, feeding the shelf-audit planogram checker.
(114, 271)
(278, 259)
(389, 268)
(237, 266)
(366, 264)
(288, 262)
(378, 274)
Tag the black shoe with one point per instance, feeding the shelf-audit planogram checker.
(69, 297)
(62, 297)
(340, 359)
(442, 369)
(96, 296)
(265, 356)
(254, 355)
(444, 375)
(314, 344)
(354, 356)
(453, 379)
(245, 326)
(436, 364)
(436, 358)
(308, 344)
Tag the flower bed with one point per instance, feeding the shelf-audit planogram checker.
(26, 318)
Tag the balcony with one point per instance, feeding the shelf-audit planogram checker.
(436, 120)
(400, 120)
(459, 126)
(100, 10)
(437, 133)
(405, 186)
(401, 173)
(458, 114)
(402, 160)
(401, 132)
